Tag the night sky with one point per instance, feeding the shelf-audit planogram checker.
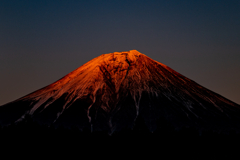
(43, 40)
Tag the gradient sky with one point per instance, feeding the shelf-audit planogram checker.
(43, 40)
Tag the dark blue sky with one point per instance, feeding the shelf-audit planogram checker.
(41, 41)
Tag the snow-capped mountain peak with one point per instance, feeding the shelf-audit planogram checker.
(112, 90)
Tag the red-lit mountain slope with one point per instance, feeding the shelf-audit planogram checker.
(112, 90)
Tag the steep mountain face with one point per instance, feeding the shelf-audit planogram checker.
(111, 91)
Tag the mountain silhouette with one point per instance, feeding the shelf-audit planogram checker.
(113, 91)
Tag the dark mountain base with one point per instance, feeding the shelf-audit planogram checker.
(28, 137)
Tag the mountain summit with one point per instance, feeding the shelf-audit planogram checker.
(111, 91)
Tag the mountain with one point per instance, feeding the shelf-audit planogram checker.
(112, 91)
